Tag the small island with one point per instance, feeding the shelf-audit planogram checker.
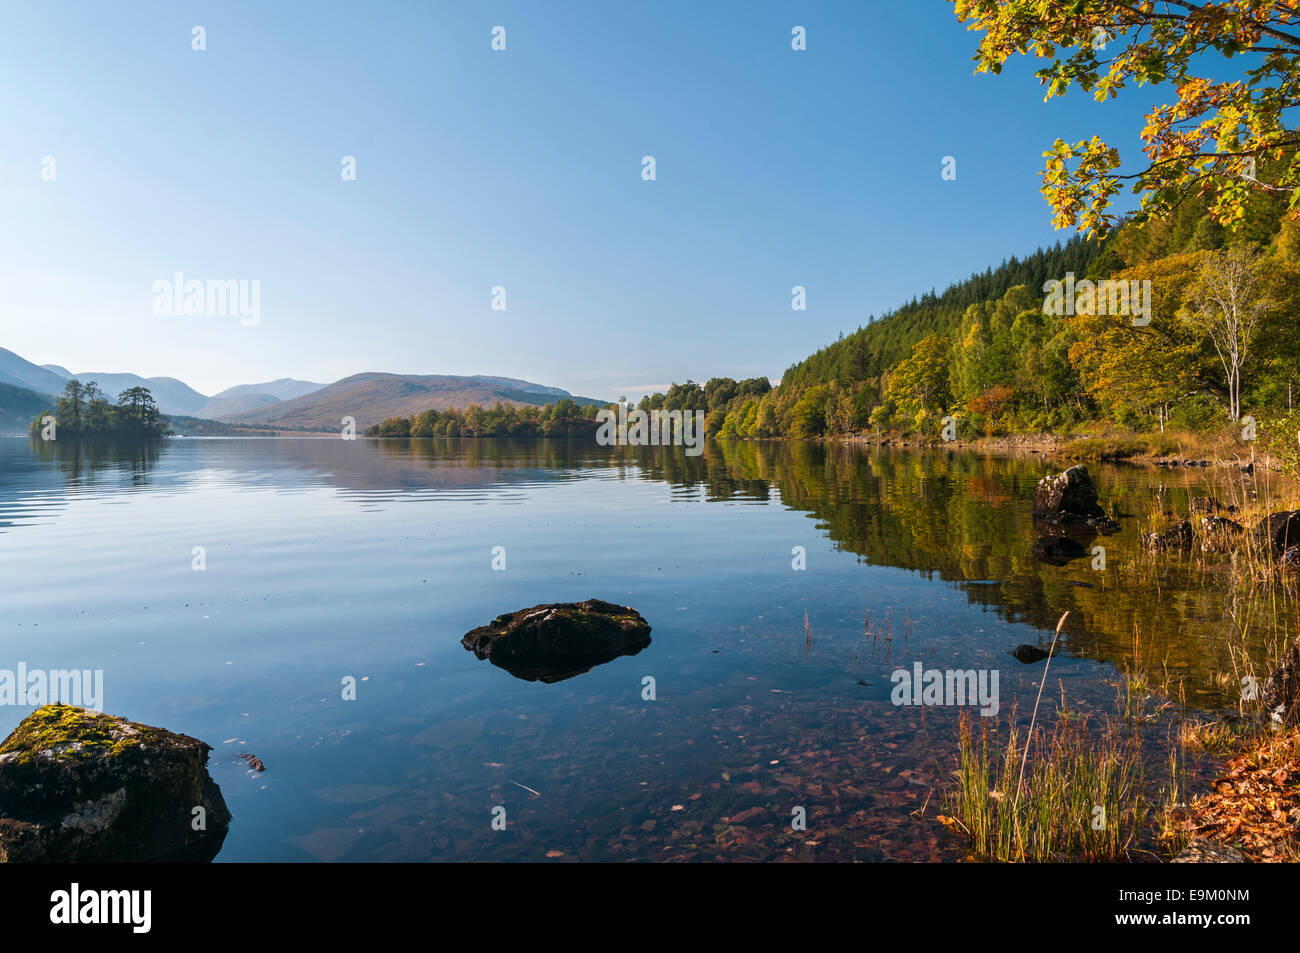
(83, 410)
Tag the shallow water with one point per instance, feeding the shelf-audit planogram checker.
(370, 559)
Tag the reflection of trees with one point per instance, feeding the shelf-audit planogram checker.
(957, 516)
(90, 461)
(966, 519)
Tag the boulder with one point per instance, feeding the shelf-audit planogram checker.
(1280, 698)
(1071, 498)
(1221, 524)
(1181, 537)
(552, 642)
(1277, 533)
(1218, 533)
(80, 786)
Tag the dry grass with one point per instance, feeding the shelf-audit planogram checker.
(1207, 736)
(1182, 444)
(1080, 800)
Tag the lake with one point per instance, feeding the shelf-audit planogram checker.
(325, 559)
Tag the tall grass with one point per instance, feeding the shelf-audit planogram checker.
(1080, 800)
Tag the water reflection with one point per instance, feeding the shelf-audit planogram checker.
(365, 558)
(960, 517)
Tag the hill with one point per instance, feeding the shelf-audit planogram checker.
(291, 404)
(19, 406)
(173, 396)
(219, 407)
(889, 339)
(18, 372)
(991, 357)
(374, 397)
(286, 388)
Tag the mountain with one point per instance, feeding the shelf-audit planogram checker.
(511, 384)
(222, 407)
(289, 403)
(18, 372)
(373, 397)
(173, 396)
(246, 398)
(286, 388)
(19, 406)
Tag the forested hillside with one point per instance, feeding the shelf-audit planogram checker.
(1222, 342)
(18, 405)
(883, 343)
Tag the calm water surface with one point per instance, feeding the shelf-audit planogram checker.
(371, 559)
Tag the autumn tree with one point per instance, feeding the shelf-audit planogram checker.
(1130, 368)
(918, 388)
(1217, 138)
(1227, 301)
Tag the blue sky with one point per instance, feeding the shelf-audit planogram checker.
(521, 169)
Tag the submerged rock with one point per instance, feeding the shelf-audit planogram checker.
(1071, 498)
(1059, 550)
(1281, 696)
(78, 785)
(1029, 653)
(552, 642)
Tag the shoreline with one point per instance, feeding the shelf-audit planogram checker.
(1135, 450)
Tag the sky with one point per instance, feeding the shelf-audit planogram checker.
(520, 169)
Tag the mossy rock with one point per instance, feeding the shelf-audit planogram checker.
(78, 785)
(559, 640)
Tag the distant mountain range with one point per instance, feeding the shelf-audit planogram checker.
(284, 403)
(373, 397)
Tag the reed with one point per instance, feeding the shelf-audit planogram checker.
(1081, 798)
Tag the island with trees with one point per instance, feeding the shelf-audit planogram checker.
(84, 410)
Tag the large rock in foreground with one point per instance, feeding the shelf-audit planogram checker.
(552, 642)
(77, 785)
(1281, 696)
(1070, 498)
